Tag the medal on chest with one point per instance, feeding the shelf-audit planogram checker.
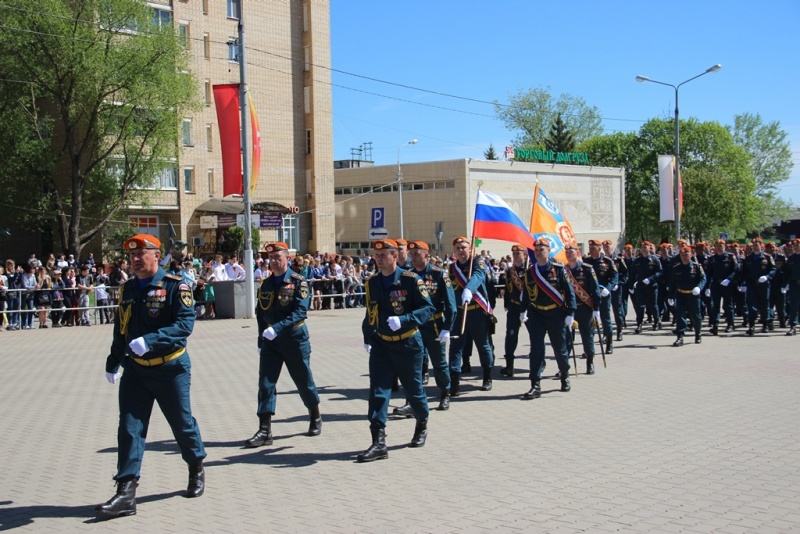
(397, 298)
(154, 301)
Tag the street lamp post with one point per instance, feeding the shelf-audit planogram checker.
(677, 146)
(400, 183)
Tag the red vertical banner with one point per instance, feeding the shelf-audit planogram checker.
(226, 99)
(256, 132)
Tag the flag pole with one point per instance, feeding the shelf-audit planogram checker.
(471, 262)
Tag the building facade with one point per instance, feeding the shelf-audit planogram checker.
(439, 200)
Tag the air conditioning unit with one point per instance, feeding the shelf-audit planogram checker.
(198, 241)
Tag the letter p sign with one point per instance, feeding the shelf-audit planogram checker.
(377, 219)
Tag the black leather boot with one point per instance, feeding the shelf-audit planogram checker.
(609, 346)
(792, 331)
(619, 334)
(444, 402)
(315, 425)
(698, 337)
(197, 480)
(264, 434)
(589, 366)
(487, 379)
(455, 382)
(714, 330)
(678, 342)
(565, 382)
(508, 370)
(376, 451)
(638, 329)
(123, 502)
(420, 435)
(405, 411)
(534, 393)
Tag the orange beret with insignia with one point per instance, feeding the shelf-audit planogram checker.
(418, 245)
(460, 239)
(686, 248)
(384, 244)
(516, 247)
(276, 246)
(757, 240)
(628, 246)
(681, 241)
(401, 241)
(720, 242)
(595, 242)
(607, 242)
(141, 241)
(542, 241)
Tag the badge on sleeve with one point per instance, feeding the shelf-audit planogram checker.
(186, 295)
(423, 290)
(303, 290)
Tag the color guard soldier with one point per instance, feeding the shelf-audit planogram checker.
(757, 271)
(472, 297)
(722, 271)
(397, 306)
(688, 279)
(644, 271)
(550, 304)
(792, 287)
(583, 281)
(435, 332)
(155, 317)
(512, 300)
(283, 300)
(608, 277)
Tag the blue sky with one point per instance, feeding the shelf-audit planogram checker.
(488, 50)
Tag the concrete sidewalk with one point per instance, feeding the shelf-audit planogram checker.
(703, 438)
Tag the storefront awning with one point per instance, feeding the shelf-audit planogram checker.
(234, 204)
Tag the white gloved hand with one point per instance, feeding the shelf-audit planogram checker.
(615, 287)
(646, 281)
(605, 292)
(634, 285)
(725, 283)
(394, 323)
(762, 279)
(139, 346)
(743, 289)
(113, 377)
(671, 302)
(269, 333)
(708, 292)
(695, 291)
(466, 296)
(444, 336)
(785, 289)
(596, 316)
(523, 317)
(631, 291)
(568, 320)
(367, 348)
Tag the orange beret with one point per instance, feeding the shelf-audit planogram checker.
(382, 244)
(756, 240)
(401, 241)
(276, 246)
(769, 244)
(141, 241)
(645, 244)
(460, 239)
(664, 245)
(542, 241)
(796, 241)
(681, 241)
(516, 247)
(571, 244)
(735, 245)
(607, 242)
(686, 248)
(628, 245)
(418, 244)
(595, 242)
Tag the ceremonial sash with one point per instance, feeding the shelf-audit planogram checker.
(578, 288)
(545, 286)
(517, 281)
(479, 299)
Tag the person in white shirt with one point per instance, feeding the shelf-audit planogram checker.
(234, 270)
(218, 268)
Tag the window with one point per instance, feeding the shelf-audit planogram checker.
(183, 33)
(205, 7)
(207, 91)
(307, 99)
(209, 138)
(234, 9)
(289, 232)
(308, 142)
(145, 224)
(186, 132)
(206, 46)
(188, 179)
(162, 17)
(167, 178)
(233, 50)
(211, 182)
(307, 58)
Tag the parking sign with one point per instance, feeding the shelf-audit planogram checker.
(377, 220)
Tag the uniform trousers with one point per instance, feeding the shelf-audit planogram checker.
(646, 299)
(583, 315)
(725, 296)
(550, 322)
(294, 350)
(757, 298)
(438, 354)
(687, 305)
(478, 328)
(403, 359)
(793, 303)
(513, 325)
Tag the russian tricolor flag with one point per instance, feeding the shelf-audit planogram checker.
(494, 219)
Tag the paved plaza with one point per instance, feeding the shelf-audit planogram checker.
(703, 438)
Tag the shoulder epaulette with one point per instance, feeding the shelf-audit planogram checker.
(410, 274)
(436, 268)
(557, 263)
(173, 277)
(297, 276)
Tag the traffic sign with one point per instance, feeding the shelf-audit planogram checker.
(376, 220)
(723, 236)
(377, 233)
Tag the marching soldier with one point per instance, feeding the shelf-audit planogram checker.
(722, 270)
(626, 293)
(512, 299)
(154, 320)
(644, 271)
(618, 292)
(583, 281)
(472, 298)
(283, 300)
(435, 332)
(550, 309)
(608, 277)
(792, 287)
(397, 306)
(688, 279)
(757, 271)
(777, 297)
(403, 261)
(667, 263)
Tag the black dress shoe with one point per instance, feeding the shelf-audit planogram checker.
(619, 335)
(638, 329)
(764, 329)
(123, 503)
(590, 368)
(565, 386)
(750, 332)
(698, 339)
(678, 342)
(262, 437)
(770, 326)
(444, 402)
(197, 480)
(534, 393)
(609, 347)
(656, 326)
(315, 422)
(729, 329)
(404, 411)
(487, 380)
(420, 435)
(714, 330)
(792, 331)
(455, 382)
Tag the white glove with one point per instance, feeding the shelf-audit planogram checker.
(695, 291)
(646, 281)
(671, 302)
(708, 292)
(605, 292)
(269, 334)
(523, 317)
(568, 320)
(466, 296)
(631, 291)
(762, 279)
(113, 377)
(394, 323)
(785, 289)
(444, 336)
(367, 348)
(725, 283)
(634, 285)
(139, 346)
(596, 316)
(615, 287)
(743, 289)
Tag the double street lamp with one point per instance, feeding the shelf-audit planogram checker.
(676, 173)
(400, 183)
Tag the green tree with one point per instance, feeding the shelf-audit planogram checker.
(560, 138)
(490, 154)
(97, 116)
(530, 113)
